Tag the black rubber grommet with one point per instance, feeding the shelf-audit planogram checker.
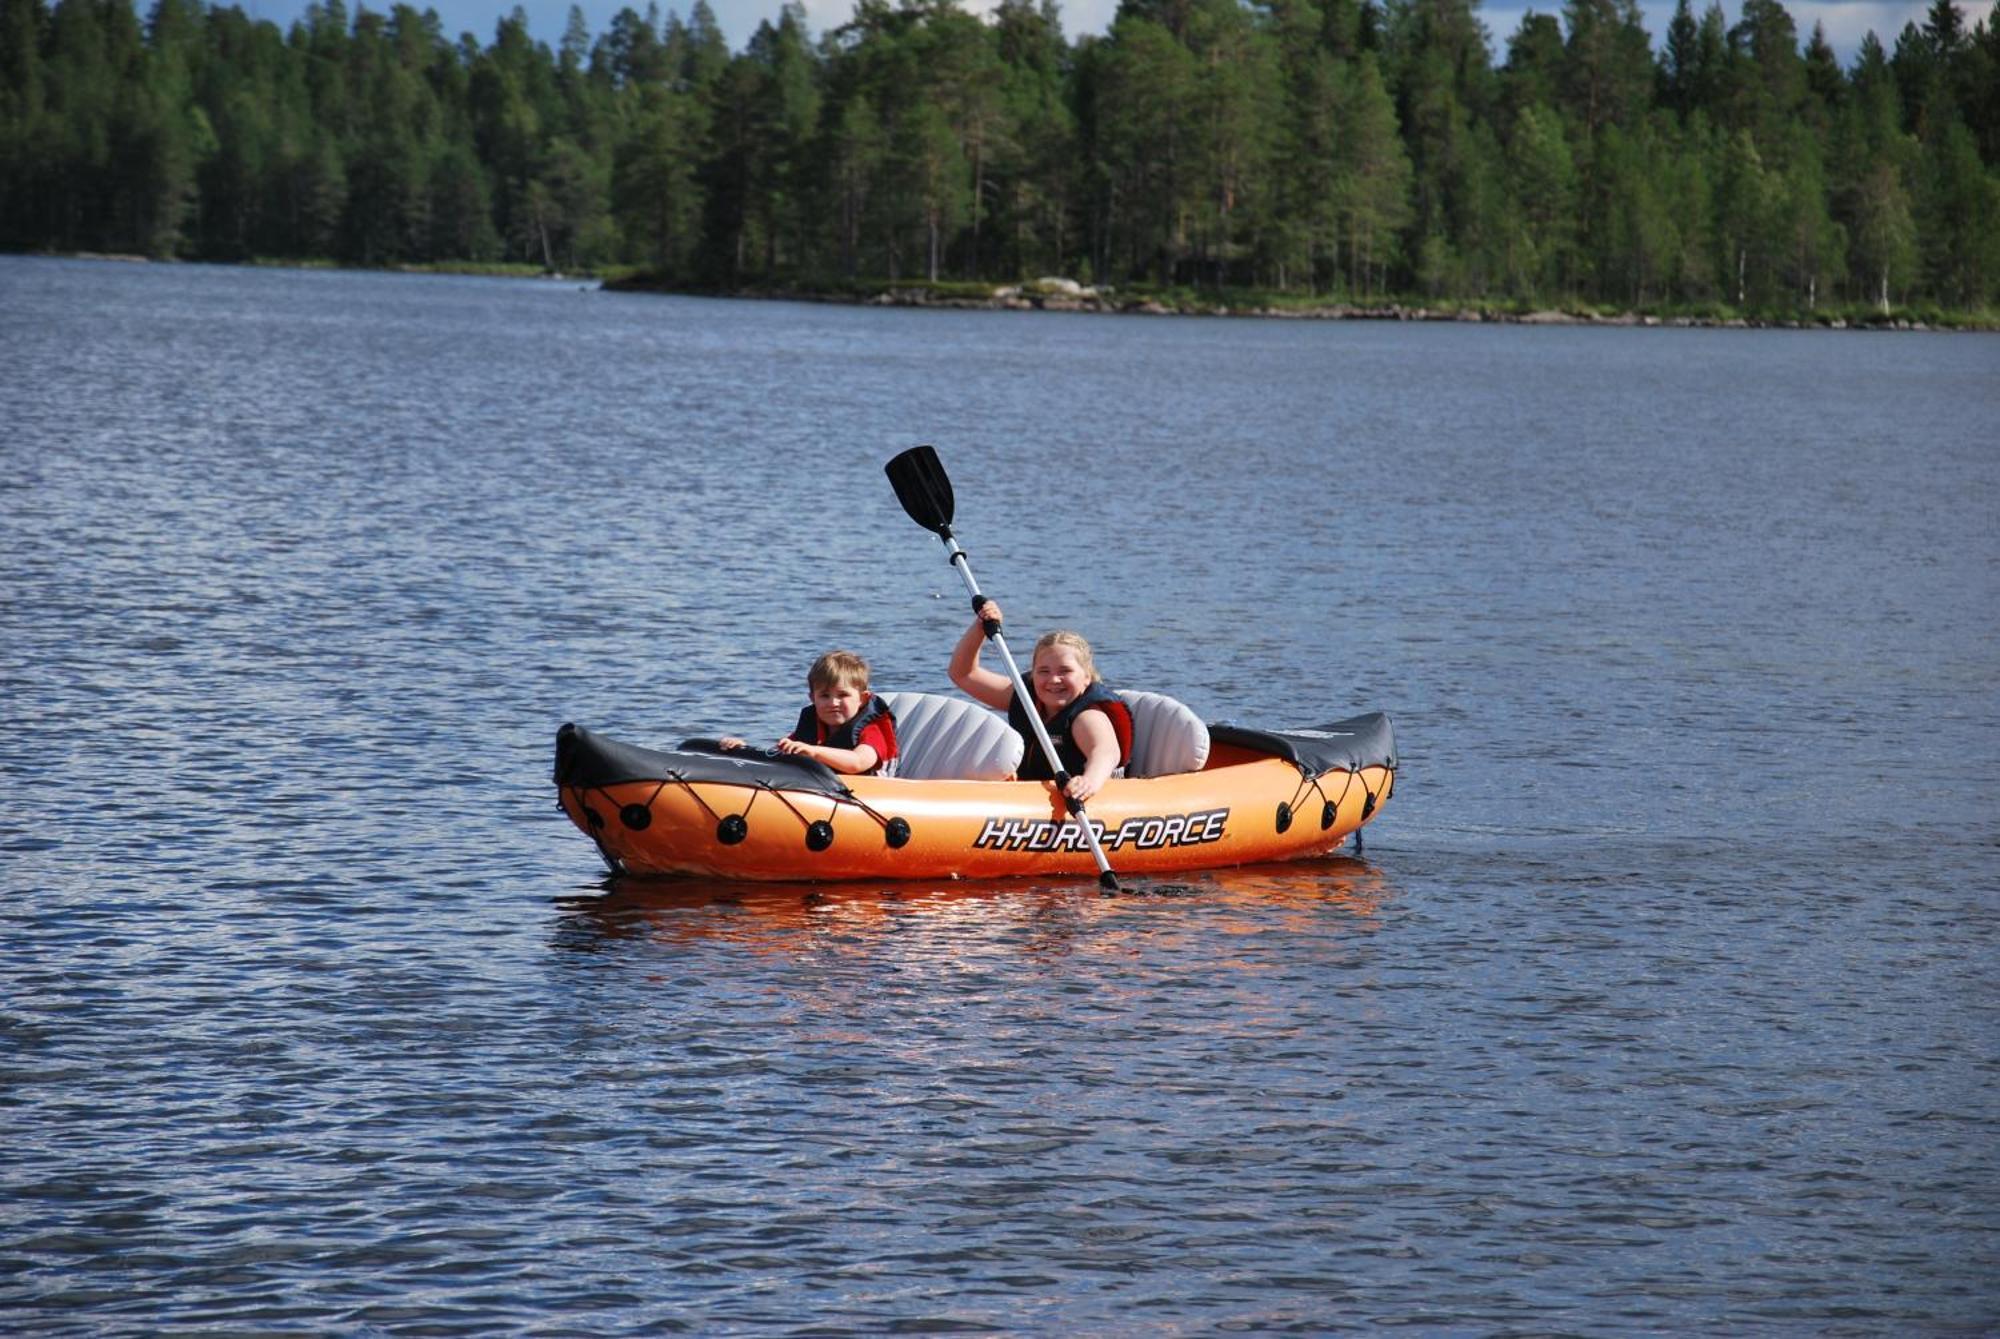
(897, 833)
(1367, 805)
(732, 830)
(1284, 817)
(819, 835)
(1326, 816)
(636, 817)
(592, 817)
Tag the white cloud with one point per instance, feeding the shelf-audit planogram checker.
(1848, 21)
(1078, 16)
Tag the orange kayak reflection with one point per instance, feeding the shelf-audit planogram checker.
(634, 906)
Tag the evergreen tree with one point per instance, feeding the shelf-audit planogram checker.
(1638, 243)
(571, 192)
(856, 148)
(1342, 145)
(1773, 77)
(1811, 247)
(1920, 77)
(1533, 75)
(1824, 80)
(927, 182)
(704, 54)
(630, 53)
(654, 189)
(574, 53)
(1885, 234)
(1372, 191)
(1145, 149)
(1745, 213)
(1302, 244)
(1540, 249)
(1960, 201)
(1607, 68)
(1236, 113)
(1444, 80)
(28, 152)
(785, 116)
(1982, 83)
(1035, 182)
(83, 78)
(318, 198)
(1689, 202)
(1712, 73)
(1680, 62)
(461, 210)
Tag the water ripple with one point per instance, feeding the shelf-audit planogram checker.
(1658, 1003)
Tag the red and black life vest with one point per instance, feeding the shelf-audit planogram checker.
(810, 730)
(1034, 766)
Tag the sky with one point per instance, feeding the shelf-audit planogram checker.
(1846, 20)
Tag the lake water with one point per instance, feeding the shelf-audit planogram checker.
(1660, 1000)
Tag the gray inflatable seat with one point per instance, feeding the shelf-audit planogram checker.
(943, 738)
(1166, 736)
(946, 738)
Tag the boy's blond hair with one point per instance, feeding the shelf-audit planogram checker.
(838, 669)
(1075, 642)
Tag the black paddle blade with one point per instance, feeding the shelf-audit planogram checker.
(922, 487)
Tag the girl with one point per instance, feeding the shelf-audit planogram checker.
(1089, 724)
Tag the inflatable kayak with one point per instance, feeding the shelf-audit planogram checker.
(1195, 796)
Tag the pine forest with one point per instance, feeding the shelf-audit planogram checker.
(1341, 150)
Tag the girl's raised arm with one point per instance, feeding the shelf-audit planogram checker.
(973, 679)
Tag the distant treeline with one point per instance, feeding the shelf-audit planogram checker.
(1345, 148)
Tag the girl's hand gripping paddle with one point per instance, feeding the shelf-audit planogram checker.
(925, 491)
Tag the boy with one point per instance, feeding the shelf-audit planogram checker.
(846, 729)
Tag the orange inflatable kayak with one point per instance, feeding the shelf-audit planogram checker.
(1251, 796)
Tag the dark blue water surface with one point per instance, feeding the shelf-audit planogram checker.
(1661, 999)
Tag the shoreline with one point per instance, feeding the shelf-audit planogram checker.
(1067, 295)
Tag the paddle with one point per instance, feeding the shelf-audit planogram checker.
(925, 491)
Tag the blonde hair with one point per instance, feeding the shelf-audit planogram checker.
(1075, 642)
(838, 669)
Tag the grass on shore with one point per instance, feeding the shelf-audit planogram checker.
(1182, 298)
(1191, 300)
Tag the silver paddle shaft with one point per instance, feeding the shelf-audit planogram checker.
(959, 561)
